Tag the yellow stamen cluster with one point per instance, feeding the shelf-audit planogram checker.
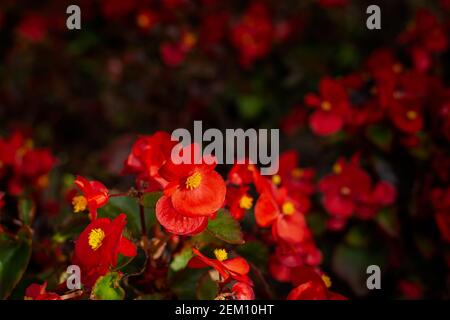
(276, 180)
(246, 202)
(288, 208)
(96, 237)
(325, 105)
(79, 203)
(297, 173)
(326, 279)
(411, 115)
(397, 68)
(221, 254)
(346, 191)
(337, 168)
(193, 181)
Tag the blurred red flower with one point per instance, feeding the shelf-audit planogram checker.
(284, 214)
(311, 286)
(147, 156)
(32, 27)
(349, 190)
(253, 34)
(332, 106)
(238, 201)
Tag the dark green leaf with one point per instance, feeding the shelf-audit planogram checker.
(27, 210)
(15, 252)
(207, 289)
(226, 228)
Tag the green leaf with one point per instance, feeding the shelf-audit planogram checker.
(182, 258)
(149, 200)
(15, 252)
(108, 288)
(129, 206)
(226, 228)
(388, 221)
(381, 136)
(135, 265)
(27, 210)
(250, 106)
(255, 252)
(184, 282)
(350, 264)
(207, 288)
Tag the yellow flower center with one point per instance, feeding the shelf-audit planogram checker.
(193, 181)
(221, 254)
(246, 202)
(397, 68)
(411, 115)
(337, 168)
(288, 208)
(96, 237)
(326, 279)
(325, 105)
(276, 179)
(346, 191)
(297, 173)
(43, 181)
(143, 21)
(79, 203)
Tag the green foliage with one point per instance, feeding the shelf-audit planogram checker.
(207, 288)
(15, 252)
(226, 228)
(108, 288)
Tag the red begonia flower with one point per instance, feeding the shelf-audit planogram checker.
(299, 181)
(253, 34)
(349, 191)
(407, 118)
(194, 189)
(147, 156)
(242, 291)
(238, 201)
(243, 174)
(331, 106)
(234, 268)
(98, 246)
(344, 187)
(177, 223)
(310, 285)
(94, 195)
(38, 292)
(284, 214)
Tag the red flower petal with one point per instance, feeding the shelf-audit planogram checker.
(338, 205)
(175, 222)
(204, 200)
(237, 265)
(291, 228)
(266, 210)
(308, 291)
(325, 123)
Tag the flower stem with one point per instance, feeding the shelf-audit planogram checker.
(142, 215)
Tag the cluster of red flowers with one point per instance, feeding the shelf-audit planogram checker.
(348, 190)
(386, 90)
(22, 165)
